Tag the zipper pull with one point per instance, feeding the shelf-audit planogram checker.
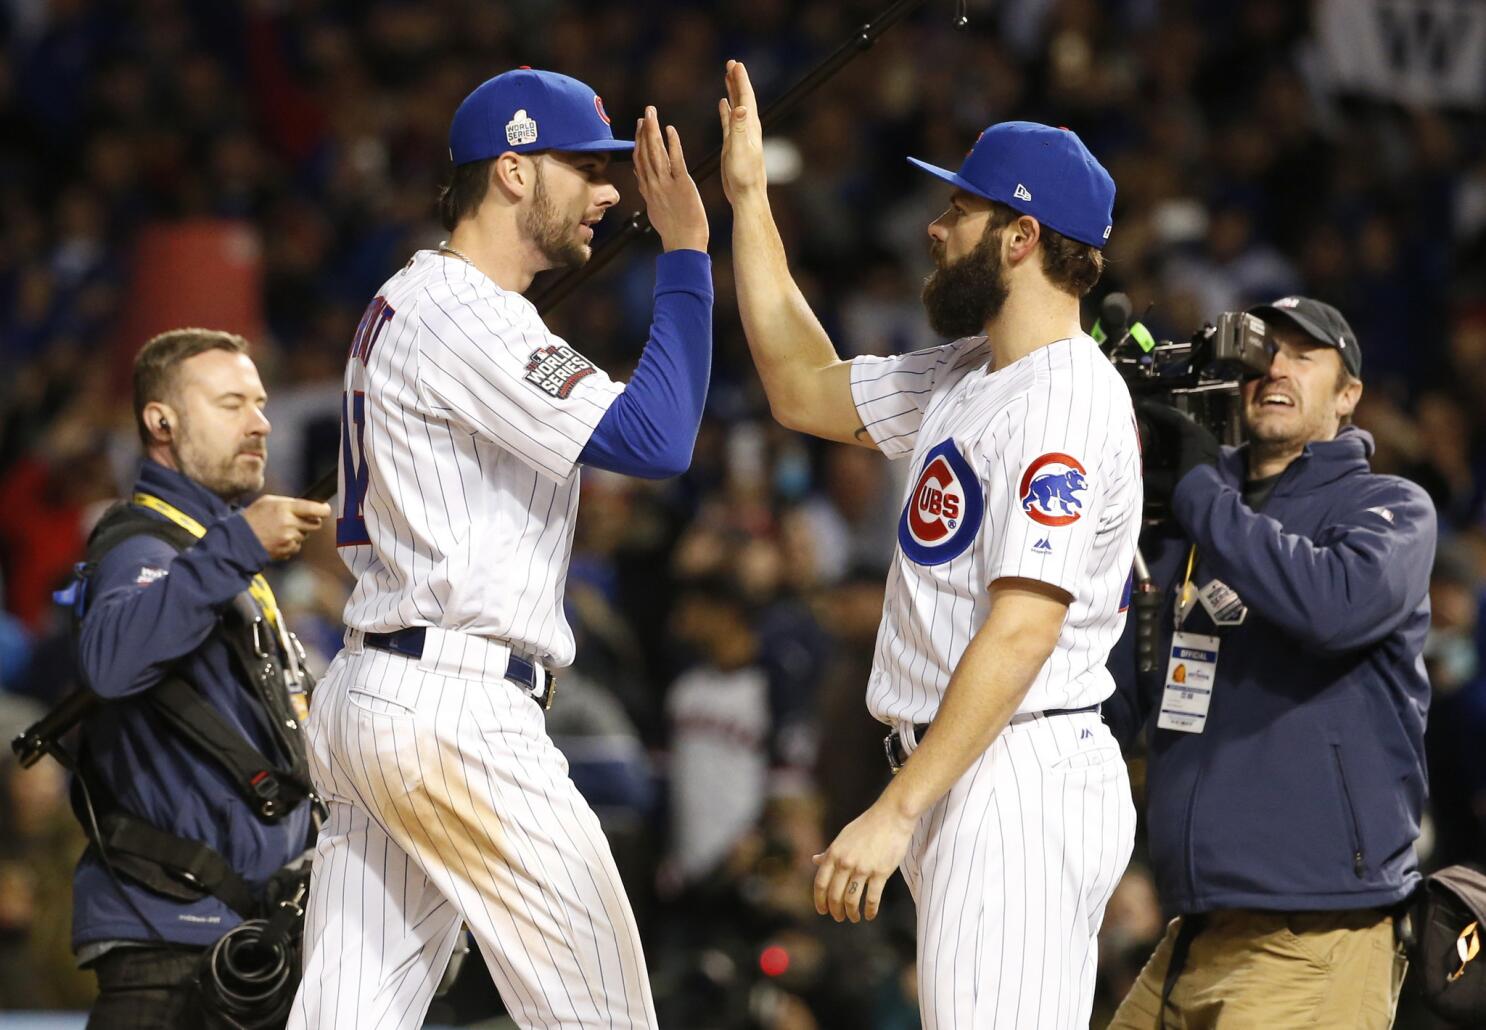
(1357, 863)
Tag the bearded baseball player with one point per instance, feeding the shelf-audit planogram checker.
(1010, 814)
(465, 422)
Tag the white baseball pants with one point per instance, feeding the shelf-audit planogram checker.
(1011, 872)
(448, 802)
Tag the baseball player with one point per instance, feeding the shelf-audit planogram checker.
(464, 424)
(1010, 814)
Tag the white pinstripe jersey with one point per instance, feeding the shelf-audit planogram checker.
(1031, 471)
(462, 422)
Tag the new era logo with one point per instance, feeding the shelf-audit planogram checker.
(1022, 193)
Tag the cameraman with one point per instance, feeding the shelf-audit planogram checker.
(190, 779)
(1286, 717)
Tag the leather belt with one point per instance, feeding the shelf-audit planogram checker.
(892, 744)
(520, 671)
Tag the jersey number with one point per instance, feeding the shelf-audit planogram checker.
(350, 527)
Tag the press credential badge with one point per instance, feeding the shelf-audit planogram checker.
(1189, 683)
(1223, 604)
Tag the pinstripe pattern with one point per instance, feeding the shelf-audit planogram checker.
(1064, 397)
(1011, 870)
(472, 486)
(448, 802)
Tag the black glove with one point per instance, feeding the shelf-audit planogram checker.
(1182, 443)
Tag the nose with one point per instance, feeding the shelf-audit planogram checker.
(606, 195)
(259, 426)
(937, 230)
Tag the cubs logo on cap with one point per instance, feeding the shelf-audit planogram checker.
(944, 511)
(1050, 489)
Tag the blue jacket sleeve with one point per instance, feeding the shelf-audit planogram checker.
(651, 427)
(1351, 586)
(148, 605)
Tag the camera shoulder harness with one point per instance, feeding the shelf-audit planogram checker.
(272, 788)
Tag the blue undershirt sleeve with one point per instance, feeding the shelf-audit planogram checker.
(650, 428)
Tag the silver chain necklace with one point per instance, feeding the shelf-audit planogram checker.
(445, 248)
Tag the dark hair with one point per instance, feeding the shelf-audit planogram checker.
(1071, 266)
(157, 362)
(467, 186)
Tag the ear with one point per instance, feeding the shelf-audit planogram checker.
(1021, 238)
(512, 174)
(1347, 398)
(160, 421)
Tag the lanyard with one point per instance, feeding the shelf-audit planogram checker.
(258, 586)
(1187, 596)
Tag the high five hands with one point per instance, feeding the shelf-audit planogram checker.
(671, 198)
(742, 137)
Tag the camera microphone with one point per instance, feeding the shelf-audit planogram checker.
(1114, 316)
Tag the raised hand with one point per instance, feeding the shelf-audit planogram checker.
(742, 136)
(671, 197)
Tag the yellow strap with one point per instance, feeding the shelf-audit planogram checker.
(1186, 593)
(258, 586)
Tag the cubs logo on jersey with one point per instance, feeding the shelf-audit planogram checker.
(944, 510)
(1051, 487)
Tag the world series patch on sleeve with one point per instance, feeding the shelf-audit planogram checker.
(557, 369)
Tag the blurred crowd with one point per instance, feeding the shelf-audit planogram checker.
(263, 165)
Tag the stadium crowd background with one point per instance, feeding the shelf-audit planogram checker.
(262, 166)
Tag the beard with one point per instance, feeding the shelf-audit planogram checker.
(227, 477)
(547, 229)
(962, 296)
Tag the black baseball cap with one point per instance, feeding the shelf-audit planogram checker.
(1321, 322)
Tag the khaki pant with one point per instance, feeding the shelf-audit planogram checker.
(1252, 970)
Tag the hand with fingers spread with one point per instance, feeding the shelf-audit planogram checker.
(742, 136)
(853, 871)
(282, 523)
(671, 197)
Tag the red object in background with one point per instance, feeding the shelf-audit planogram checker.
(205, 272)
(41, 532)
(773, 961)
(289, 112)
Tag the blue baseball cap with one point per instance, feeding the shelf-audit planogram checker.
(527, 110)
(1040, 171)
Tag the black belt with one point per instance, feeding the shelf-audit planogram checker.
(893, 743)
(520, 671)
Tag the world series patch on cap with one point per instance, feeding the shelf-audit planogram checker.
(527, 110)
(1041, 171)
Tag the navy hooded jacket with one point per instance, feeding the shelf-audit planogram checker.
(149, 610)
(1305, 790)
